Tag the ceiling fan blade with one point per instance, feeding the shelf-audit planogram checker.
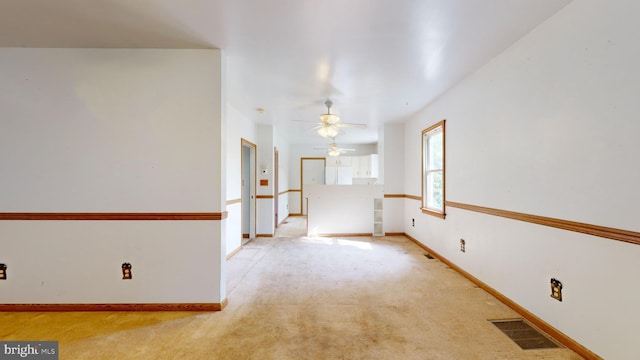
(351, 125)
(308, 122)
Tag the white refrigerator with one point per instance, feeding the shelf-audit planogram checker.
(338, 175)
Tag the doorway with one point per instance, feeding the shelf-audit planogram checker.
(248, 178)
(276, 194)
(311, 172)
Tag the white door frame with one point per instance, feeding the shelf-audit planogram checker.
(248, 197)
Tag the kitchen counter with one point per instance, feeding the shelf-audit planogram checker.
(341, 209)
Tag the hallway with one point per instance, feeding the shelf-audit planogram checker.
(293, 226)
(304, 298)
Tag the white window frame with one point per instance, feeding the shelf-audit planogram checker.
(427, 189)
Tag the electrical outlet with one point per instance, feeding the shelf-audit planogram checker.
(413, 222)
(126, 271)
(462, 245)
(556, 289)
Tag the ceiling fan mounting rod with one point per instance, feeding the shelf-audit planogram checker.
(328, 103)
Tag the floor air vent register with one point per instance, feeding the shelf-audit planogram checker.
(524, 335)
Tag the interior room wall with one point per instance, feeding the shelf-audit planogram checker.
(393, 169)
(265, 201)
(115, 131)
(547, 128)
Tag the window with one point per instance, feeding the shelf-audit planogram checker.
(433, 174)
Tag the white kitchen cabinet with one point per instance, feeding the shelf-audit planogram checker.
(373, 165)
(365, 166)
(338, 161)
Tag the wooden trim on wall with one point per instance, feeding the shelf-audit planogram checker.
(627, 236)
(295, 190)
(264, 235)
(115, 216)
(114, 307)
(395, 234)
(343, 234)
(544, 326)
(244, 141)
(264, 196)
(405, 196)
(237, 250)
(234, 201)
(433, 213)
(423, 206)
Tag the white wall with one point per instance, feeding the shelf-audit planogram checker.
(547, 128)
(239, 127)
(282, 145)
(269, 138)
(381, 154)
(111, 130)
(330, 205)
(61, 262)
(393, 152)
(265, 206)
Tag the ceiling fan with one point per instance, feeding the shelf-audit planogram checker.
(330, 124)
(334, 150)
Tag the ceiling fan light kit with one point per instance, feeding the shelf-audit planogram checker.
(329, 131)
(330, 124)
(333, 151)
(329, 119)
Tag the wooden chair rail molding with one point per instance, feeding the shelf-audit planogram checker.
(343, 234)
(115, 216)
(288, 191)
(413, 197)
(631, 237)
(115, 307)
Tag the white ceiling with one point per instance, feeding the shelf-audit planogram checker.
(378, 60)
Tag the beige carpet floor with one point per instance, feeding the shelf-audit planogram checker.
(293, 226)
(304, 298)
